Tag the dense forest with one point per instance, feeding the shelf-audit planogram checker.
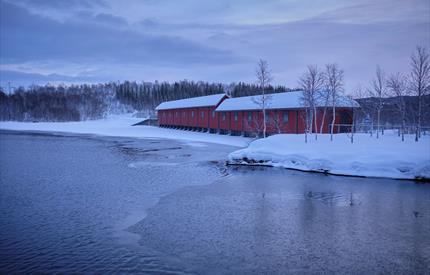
(83, 102)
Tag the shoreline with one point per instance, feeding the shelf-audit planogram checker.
(121, 126)
(327, 173)
(367, 157)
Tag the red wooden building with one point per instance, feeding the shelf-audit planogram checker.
(285, 113)
(197, 113)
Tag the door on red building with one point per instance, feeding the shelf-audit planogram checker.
(345, 121)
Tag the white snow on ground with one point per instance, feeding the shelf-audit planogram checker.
(120, 126)
(367, 156)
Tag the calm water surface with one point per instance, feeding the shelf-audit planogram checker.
(82, 204)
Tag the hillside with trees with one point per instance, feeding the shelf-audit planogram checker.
(84, 102)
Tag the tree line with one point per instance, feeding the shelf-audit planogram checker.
(55, 103)
(83, 102)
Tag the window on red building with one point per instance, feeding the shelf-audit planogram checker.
(285, 117)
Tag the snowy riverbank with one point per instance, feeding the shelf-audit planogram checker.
(120, 126)
(367, 156)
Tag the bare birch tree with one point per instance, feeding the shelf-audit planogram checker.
(324, 97)
(397, 86)
(304, 116)
(306, 101)
(352, 105)
(334, 86)
(264, 77)
(420, 82)
(276, 122)
(378, 90)
(311, 82)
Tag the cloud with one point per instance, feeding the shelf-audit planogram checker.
(16, 78)
(27, 37)
(367, 12)
(211, 40)
(110, 19)
(60, 5)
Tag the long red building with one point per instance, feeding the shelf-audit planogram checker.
(285, 113)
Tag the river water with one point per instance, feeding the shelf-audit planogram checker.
(87, 204)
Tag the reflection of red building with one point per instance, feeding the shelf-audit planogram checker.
(242, 115)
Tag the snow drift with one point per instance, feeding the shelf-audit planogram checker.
(370, 157)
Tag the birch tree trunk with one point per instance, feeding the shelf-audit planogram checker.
(323, 120)
(334, 86)
(332, 121)
(315, 119)
(264, 78)
(420, 82)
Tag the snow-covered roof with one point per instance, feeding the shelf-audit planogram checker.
(201, 101)
(287, 100)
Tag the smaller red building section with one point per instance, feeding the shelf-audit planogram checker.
(197, 113)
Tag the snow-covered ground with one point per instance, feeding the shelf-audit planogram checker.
(120, 126)
(367, 156)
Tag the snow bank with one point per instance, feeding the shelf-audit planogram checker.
(120, 126)
(385, 157)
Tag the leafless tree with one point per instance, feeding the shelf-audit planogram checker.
(255, 126)
(311, 82)
(334, 86)
(420, 82)
(365, 112)
(352, 106)
(304, 116)
(276, 122)
(378, 90)
(324, 97)
(264, 77)
(306, 101)
(397, 86)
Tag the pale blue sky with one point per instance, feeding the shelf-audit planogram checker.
(146, 40)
